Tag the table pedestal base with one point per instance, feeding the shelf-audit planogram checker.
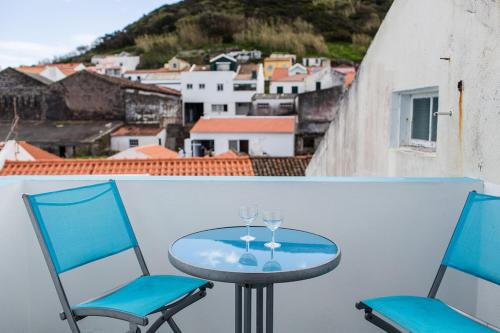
(243, 307)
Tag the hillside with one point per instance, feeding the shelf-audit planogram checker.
(341, 29)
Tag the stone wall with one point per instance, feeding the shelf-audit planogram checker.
(315, 112)
(151, 108)
(29, 95)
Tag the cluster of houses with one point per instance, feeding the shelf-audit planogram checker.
(231, 106)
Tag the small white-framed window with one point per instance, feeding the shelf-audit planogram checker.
(424, 120)
(189, 86)
(219, 107)
(414, 122)
(220, 86)
(201, 86)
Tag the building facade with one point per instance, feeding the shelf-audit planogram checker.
(426, 99)
(277, 60)
(115, 65)
(255, 136)
(221, 89)
(136, 136)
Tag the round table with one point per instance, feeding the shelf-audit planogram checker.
(220, 255)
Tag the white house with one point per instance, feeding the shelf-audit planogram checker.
(426, 99)
(315, 62)
(115, 65)
(13, 150)
(177, 64)
(299, 79)
(221, 89)
(162, 77)
(256, 136)
(152, 151)
(134, 136)
(244, 56)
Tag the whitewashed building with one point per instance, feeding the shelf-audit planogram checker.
(299, 79)
(152, 151)
(255, 136)
(53, 72)
(426, 99)
(244, 56)
(135, 136)
(221, 89)
(115, 65)
(162, 77)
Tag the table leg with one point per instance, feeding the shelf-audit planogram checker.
(260, 310)
(247, 323)
(238, 309)
(269, 308)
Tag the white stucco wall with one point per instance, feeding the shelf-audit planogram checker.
(391, 246)
(287, 86)
(120, 143)
(272, 144)
(405, 55)
(210, 95)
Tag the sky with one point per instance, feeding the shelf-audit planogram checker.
(32, 30)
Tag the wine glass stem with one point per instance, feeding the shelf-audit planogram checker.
(248, 230)
(272, 241)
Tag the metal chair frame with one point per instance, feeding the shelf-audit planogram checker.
(75, 315)
(390, 328)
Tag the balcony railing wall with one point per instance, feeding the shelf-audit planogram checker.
(393, 233)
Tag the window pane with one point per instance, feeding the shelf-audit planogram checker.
(420, 121)
(435, 108)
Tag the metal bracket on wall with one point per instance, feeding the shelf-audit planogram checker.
(449, 113)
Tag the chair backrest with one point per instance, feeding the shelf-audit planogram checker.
(475, 245)
(81, 225)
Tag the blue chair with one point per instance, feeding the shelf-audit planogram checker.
(81, 225)
(474, 249)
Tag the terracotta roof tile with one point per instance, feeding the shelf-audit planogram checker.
(280, 166)
(245, 125)
(154, 167)
(156, 151)
(137, 131)
(279, 73)
(37, 153)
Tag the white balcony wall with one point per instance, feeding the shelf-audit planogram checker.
(393, 234)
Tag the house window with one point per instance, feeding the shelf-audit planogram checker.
(262, 105)
(159, 141)
(201, 86)
(219, 107)
(133, 143)
(295, 90)
(279, 90)
(423, 120)
(240, 146)
(286, 106)
(220, 87)
(414, 123)
(189, 86)
(318, 86)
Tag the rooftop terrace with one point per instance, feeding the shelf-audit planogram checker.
(392, 231)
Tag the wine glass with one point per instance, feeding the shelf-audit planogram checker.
(248, 214)
(272, 220)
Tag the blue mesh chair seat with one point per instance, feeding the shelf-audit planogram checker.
(474, 249)
(143, 296)
(424, 315)
(78, 226)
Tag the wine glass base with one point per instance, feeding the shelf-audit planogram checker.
(272, 245)
(247, 238)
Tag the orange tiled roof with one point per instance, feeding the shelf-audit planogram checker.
(194, 166)
(279, 73)
(156, 151)
(245, 125)
(228, 154)
(137, 131)
(37, 153)
(35, 69)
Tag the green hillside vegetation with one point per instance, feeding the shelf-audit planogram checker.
(340, 29)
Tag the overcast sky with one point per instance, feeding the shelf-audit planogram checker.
(32, 30)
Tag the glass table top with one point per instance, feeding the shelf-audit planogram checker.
(220, 254)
